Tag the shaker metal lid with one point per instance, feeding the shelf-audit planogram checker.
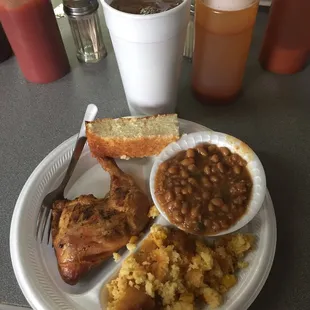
(80, 7)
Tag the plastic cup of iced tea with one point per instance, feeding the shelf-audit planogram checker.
(223, 34)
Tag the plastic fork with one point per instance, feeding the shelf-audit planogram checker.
(190, 34)
(44, 218)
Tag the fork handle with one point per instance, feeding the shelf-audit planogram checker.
(90, 115)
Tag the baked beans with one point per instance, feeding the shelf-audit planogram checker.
(205, 189)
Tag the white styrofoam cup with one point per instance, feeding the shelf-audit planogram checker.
(148, 51)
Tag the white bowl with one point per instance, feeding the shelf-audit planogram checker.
(254, 166)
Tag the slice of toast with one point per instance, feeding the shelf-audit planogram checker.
(133, 136)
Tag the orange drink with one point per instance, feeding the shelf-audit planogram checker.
(223, 33)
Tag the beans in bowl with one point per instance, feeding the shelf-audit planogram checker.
(204, 190)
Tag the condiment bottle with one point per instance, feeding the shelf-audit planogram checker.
(33, 33)
(5, 48)
(86, 30)
(285, 49)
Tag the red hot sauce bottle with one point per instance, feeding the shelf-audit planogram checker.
(33, 33)
(286, 44)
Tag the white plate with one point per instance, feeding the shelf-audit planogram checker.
(35, 264)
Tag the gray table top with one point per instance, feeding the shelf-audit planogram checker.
(272, 116)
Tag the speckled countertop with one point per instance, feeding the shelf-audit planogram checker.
(272, 116)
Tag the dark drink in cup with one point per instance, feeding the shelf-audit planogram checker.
(144, 7)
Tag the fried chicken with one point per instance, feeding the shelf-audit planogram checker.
(86, 231)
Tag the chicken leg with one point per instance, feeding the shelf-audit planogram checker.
(86, 231)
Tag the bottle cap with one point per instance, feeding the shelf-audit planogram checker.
(80, 7)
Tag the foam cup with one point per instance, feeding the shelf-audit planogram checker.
(149, 51)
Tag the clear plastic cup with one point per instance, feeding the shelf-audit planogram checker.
(223, 34)
(149, 51)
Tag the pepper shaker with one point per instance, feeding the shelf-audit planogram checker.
(85, 26)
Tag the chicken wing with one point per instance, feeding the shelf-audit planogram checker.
(86, 231)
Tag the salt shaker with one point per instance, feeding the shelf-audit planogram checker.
(86, 30)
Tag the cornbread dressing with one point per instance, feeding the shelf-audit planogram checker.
(175, 271)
